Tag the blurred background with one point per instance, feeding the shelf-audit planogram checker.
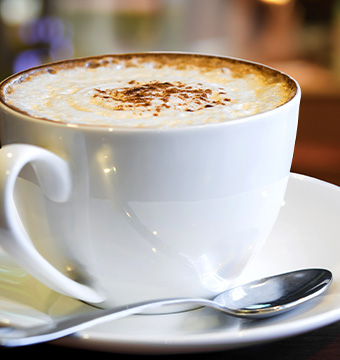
(300, 37)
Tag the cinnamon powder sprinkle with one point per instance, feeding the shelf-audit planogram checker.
(156, 96)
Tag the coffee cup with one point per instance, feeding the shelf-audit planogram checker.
(133, 177)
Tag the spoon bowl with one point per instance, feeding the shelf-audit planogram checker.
(266, 297)
(275, 294)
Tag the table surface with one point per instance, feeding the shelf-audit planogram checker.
(321, 344)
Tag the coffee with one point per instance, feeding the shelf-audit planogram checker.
(147, 90)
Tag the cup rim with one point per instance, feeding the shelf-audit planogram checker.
(86, 59)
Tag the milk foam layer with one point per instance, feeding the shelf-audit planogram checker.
(147, 90)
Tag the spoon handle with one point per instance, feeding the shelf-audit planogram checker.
(12, 337)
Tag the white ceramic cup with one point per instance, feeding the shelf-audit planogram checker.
(113, 216)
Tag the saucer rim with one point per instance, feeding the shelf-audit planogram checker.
(218, 338)
(211, 341)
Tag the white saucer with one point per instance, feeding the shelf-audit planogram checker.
(305, 235)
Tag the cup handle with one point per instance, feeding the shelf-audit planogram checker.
(54, 177)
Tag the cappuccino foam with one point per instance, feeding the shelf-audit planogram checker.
(147, 90)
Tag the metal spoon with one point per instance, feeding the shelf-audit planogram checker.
(262, 298)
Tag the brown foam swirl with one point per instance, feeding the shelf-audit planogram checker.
(156, 96)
